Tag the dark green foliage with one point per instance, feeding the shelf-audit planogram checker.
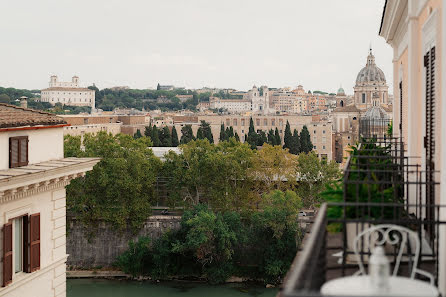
(120, 188)
(295, 143)
(175, 141)
(305, 141)
(217, 245)
(166, 137)
(222, 133)
(136, 260)
(205, 128)
(5, 98)
(371, 185)
(288, 137)
(271, 137)
(155, 136)
(237, 138)
(186, 134)
(252, 135)
(137, 134)
(277, 139)
(148, 131)
(261, 138)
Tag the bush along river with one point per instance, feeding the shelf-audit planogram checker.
(128, 288)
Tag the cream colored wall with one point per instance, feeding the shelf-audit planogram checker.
(113, 128)
(75, 98)
(50, 279)
(44, 145)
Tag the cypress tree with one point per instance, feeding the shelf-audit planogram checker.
(222, 133)
(186, 134)
(155, 136)
(237, 137)
(271, 139)
(295, 148)
(137, 134)
(288, 137)
(305, 140)
(205, 132)
(261, 138)
(167, 137)
(148, 131)
(174, 137)
(231, 131)
(277, 139)
(252, 135)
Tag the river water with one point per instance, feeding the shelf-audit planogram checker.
(124, 288)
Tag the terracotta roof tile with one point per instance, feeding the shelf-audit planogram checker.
(14, 116)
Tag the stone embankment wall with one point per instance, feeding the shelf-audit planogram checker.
(88, 250)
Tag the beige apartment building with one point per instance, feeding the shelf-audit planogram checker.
(320, 130)
(416, 31)
(33, 176)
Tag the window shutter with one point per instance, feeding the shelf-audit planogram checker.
(13, 152)
(7, 254)
(26, 266)
(429, 139)
(23, 157)
(34, 247)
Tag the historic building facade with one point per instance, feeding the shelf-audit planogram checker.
(32, 202)
(68, 93)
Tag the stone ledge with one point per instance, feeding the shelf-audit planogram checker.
(96, 274)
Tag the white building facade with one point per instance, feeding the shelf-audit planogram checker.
(68, 93)
(32, 202)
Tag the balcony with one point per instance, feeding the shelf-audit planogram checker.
(380, 186)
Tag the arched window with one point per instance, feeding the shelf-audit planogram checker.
(363, 97)
(342, 103)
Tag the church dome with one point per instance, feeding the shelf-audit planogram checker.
(370, 73)
(340, 91)
(375, 113)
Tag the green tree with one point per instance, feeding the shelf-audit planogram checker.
(120, 188)
(186, 134)
(158, 87)
(137, 134)
(222, 133)
(261, 138)
(288, 137)
(295, 143)
(204, 131)
(252, 135)
(237, 138)
(155, 136)
(278, 140)
(5, 98)
(148, 131)
(271, 138)
(314, 175)
(305, 140)
(175, 141)
(167, 137)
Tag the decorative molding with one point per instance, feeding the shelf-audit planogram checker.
(36, 188)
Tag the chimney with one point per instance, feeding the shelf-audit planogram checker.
(24, 102)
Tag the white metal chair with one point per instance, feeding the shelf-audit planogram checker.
(394, 235)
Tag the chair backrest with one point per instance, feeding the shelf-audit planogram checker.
(394, 235)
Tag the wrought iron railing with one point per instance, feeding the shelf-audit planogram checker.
(380, 186)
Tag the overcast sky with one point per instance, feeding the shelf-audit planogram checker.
(320, 44)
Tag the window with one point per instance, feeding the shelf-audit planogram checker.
(265, 122)
(323, 147)
(314, 139)
(363, 97)
(21, 242)
(323, 131)
(18, 151)
(314, 131)
(85, 121)
(257, 122)
(314, 147)
(243, 122)
(273, 122)
(235, 122)
(324, 139)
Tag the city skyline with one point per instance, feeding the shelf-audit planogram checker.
(239, 46)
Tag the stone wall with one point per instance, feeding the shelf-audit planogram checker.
(101, 249)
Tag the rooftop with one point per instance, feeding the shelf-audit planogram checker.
(14, 116)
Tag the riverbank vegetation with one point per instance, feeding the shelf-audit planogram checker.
(240, 204)
(217, 245)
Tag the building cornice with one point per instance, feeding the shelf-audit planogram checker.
(21, 186)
